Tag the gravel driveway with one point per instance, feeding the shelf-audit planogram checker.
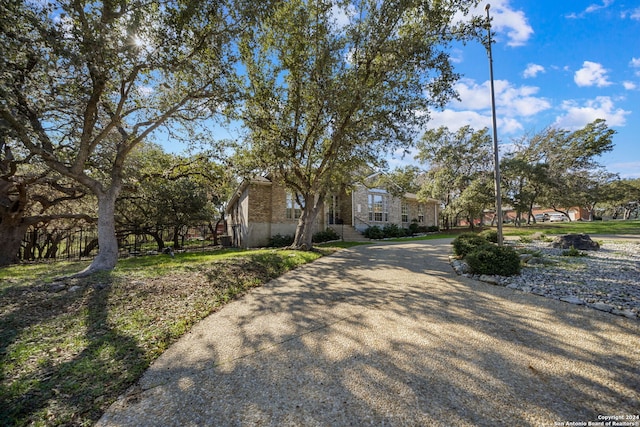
(389, 335)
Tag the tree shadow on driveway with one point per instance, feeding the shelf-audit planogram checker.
(389, 335)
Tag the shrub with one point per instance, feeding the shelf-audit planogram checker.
(491, 259)
(467, 242)
(280, 241)
(433, 229)
(414, 228)
(573, 252)
(393, 230)
(490, 235)
(373, 232)
(325, 236)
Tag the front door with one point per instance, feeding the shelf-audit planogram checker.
(334, 211)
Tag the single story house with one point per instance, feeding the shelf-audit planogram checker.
(261, 208)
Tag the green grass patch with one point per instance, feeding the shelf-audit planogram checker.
(69, 348)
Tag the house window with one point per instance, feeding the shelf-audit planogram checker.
(420, 213)
(378, 208)
(293, 209)
(405, 212)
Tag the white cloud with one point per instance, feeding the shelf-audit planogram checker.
(629, 85)
(505, 20)
(629, 170)
(514, 105)
(145, 91)
(512, 22)
(591, 74)
(511, 101)
(591, 8)
(456, 56)
(602, 107)
(454, 120)
(633, 14)
(635, 62)
(532, 70)
(594, 7)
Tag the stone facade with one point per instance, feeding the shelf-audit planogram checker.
(260, 210)
(395, 210)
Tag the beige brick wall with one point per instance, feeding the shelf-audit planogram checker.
(361, 203)
(263, 206)
(279, 203)
(260, 202)
(394, 209)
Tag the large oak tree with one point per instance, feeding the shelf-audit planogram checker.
(84, 82)
(332, 86)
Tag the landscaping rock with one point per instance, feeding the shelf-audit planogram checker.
(572, 300)
(459, 266)
(489, 279)
(606, 280)
(602, 306)
(525, 258)
(57, 287)
(626, 313)
(580, 242)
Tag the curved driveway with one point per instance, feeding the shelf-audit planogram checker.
(388, 335)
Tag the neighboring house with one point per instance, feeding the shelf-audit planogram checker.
(261, 209)
(509, 215)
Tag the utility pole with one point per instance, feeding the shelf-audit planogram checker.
(496, 160)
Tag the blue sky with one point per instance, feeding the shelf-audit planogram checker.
(556, 63)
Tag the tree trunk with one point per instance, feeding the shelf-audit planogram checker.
(107, 241)
(303, 239)
(157, 236)
(176, 237)
(11, 236)
(54, 242)
(86, 251)
(215, 230)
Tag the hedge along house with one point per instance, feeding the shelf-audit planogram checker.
(261, 208)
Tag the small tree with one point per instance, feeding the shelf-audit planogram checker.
(165, 191)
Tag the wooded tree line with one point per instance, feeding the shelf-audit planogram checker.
(321, 88)
(553, 168)
(162, 197)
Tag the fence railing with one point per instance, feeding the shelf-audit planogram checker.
(82, 242)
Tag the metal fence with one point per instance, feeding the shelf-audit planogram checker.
(57, 244)
(82, 242)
